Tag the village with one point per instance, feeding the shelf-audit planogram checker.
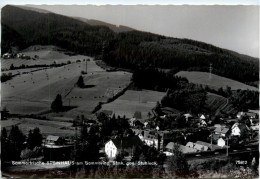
(139, 137)
(228, 135)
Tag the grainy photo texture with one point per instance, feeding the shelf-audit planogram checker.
(129, 91)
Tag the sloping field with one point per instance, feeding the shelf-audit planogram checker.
(88, 98)
(33, 93)
(38, 89)
(215, 82)
(46, 127)
(46, 55)
(133, 101)
(216, 104)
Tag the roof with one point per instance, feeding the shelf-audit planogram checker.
(202, 117)
(132, 120)
(222, 130)
(182, 148)
(149, 135)
(243, 127)
(137, 115)
(215, 137)
(251, 114)
(196, 146)
(127, 142)
(214, 147)
(52, 137)
(187, 115)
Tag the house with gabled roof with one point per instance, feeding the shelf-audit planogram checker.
(150, 138)
(54, 140)
(184, 149)
(238, 128)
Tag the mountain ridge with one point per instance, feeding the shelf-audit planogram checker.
(128, 49)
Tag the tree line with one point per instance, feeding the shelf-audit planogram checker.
(131, 50)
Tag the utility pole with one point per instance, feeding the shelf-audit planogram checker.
(210, 71)
(103, 49)
(227, 146)
(211, 141)
(86, 66)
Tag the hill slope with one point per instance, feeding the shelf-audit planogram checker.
(216, 81)
(113, 27)
(131, 49)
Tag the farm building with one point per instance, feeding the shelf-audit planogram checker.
(54, 140)
(184, 149)
(198, 147)
(212, 147)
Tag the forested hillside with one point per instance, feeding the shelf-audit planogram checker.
(131, 50)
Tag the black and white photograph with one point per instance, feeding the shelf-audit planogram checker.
(129, 90)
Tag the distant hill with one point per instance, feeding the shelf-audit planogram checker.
(216, 81)
(113, 27)
(119, 47)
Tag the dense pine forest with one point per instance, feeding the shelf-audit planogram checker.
(132, 50)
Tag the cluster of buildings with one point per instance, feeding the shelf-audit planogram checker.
(218, 138)
(18, 55)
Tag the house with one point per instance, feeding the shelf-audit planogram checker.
(54, 140)
(252, 114)
(202, 117)
(127, 144)
(221, 131)
(187, 116)
(184, 149)
(255, 128)
(240, 114)
(237, 129)
(212, 147)
(7, 56)
(150, 138)
(221, 142)
(135, 122)
(198, 147)
(203, 123)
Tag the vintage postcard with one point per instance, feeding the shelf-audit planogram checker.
(129, 91)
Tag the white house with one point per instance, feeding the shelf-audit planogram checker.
(149, 138)
(110, 149)
(221, 142)
(235, 130)
(202, 117)
(240, 114)
(203, 123)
